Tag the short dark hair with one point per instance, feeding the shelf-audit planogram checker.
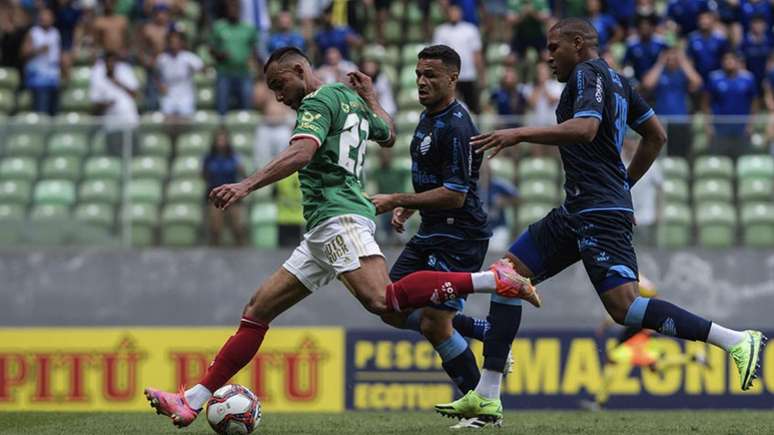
(281, 53)
(574, 26)
(444, 53)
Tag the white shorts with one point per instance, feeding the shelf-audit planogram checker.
(333, 247)
(177, 105)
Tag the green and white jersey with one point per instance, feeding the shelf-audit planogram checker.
(340, 122)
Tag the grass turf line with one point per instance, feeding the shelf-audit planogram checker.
(426, 423)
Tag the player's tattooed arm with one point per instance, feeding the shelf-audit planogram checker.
(297, 155)
(572, 131)
(438, 198)
(654, 137)
(363, 85)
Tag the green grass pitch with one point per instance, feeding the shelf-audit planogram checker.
(424, 423)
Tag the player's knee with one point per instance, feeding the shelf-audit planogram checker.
(435, 326)
(257, 311)
(618, 310)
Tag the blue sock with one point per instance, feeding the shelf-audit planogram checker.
(470, 327)
(459, 362)
(666, 318)
(504, 318)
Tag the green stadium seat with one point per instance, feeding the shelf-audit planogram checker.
(180, 224)
(187, 167)
(393, 31)
(96, 214)
(263, 223)
(755, 167)
(494, 75)
(14, 192)
(709, 190)
(144, 191)
(99, 191)
(713, 167)
(408, 77)
(205, 78)
(188, 191)
(205, 120)
(7, 100)
(49, 224)
(76, 100)
(406, 121)
(76, 122)
(24, 144)
(755, 189)
(538, 167)
(758, 225)
(9, 78)
(155, 144)
(24, 101)
(149, 167)
(11, 223)
(205, 97)
(539, 191)
(152, 121)
(68, 144)
(716, 224)
(64, 168)
(408, 99)
(675, 190)
(80, 76)
(93, 224)
(243, 143)
(675, 168)
(408, 55)
(503, 168)
(18, 168)
(32, 121)
(193, 144)
(102, 167)
(674, 230)
(497, 52)
(531, 212)
(144, 219)
(56, 192)
(242, 120)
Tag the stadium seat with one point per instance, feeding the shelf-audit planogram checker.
(242, 120)
(80, 76)
(539, 191)
(155, 144)
(716, 224)
(751, 189)
(406, 121)
(263, 223)
(708, 190)
(188, 191)
(24, 101)
(187, 167)
(713, 167)
(31, 121)
(531, 212)
(75, 122)
(243, 143)
(102, 167)
(538, 167)
(205, 120)
(11, 223)
(675, 168)
(408, 55)
(18, 168)
(149, 167)
(675, 190)
(99, 191)
(56, 192)
(503, 168)
(75, 100)
(497, 52)
(60, 167)
(15, 192)
(180, 224)
(93, 223)
(494, 75)
(193, 144)
(758, 225)
(7, 100)
(674, 230)
(68, 144)
(408, 77)
(9, 78)
(205, 78)
(408, 99)
(144, 218)
(49, 224)
(205, 97)
(152, 122)
(755, 167)
(24, 144)
(144, 191)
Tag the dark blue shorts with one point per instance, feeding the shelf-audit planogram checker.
(441, 254)
(602, 240)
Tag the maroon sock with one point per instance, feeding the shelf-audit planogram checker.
(426, 287)
(235, 354)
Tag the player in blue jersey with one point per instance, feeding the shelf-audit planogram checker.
(453, 235)
(595, 223)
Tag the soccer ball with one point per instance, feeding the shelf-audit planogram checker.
(233, 410)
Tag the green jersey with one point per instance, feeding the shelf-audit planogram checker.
(340, 122)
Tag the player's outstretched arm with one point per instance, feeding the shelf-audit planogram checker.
(438, 198)
(294, 157)
(363, 85)
(653, 139)
(572, 131)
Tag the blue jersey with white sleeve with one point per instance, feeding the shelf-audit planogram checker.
(442, 156)
(596, 178)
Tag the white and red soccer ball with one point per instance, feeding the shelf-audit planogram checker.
(233, 410)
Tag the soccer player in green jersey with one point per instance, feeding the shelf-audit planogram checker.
(327, 150)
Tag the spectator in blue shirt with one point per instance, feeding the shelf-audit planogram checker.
(671, 81)
(509, 99)
(643, 49)
(607, 27)
(623, 11)
(685, 12)
(756, 46)
(751, 9)
(731, 92)
(285, 36)
(469, 11)
(330, 35)
(705, 46)
(222, 166)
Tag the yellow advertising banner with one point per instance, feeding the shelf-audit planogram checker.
(74, 369)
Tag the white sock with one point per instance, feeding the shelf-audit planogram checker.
(484, 282)
(724, 337)
(489, 384)
(197, 396)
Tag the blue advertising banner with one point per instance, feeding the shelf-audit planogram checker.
(399, 370)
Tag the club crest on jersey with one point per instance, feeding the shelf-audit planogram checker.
(424, 147)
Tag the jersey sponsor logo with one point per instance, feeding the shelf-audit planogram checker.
(579, 84)
(424, 147)
(308, 119)
(598, 92)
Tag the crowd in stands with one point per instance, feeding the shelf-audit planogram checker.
(685, 56)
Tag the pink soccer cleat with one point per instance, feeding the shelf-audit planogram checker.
(512, 285)
(173, 405)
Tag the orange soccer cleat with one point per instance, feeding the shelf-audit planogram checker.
(512, 285)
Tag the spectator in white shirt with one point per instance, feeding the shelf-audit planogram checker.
(113, 89)
(465, 39)
(42, 51)
(646, 197)
(176, 69)
(382, 85)
(542, 97)
(335, 68)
